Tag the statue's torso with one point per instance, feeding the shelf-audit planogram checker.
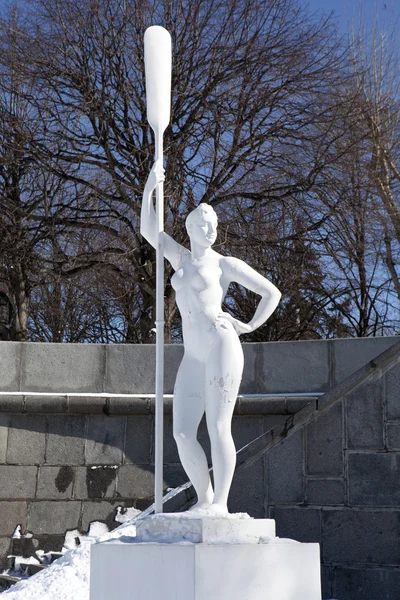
(200, 286)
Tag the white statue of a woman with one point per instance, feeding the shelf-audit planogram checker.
(211, 370)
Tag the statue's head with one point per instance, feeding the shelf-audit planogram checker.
(201, 225)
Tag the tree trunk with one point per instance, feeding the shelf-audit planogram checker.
(21, 304)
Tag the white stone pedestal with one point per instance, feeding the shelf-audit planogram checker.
(211, 558)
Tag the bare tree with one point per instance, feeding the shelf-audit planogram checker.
(254, 117)
(376, 57)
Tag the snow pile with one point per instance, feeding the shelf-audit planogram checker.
(68, 577)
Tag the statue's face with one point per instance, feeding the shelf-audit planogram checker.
(204, 230)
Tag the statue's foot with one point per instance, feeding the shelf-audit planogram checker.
(203, 506)
(216, 509)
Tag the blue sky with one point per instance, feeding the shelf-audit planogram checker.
(348, 10)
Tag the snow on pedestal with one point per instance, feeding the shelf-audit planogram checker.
(205, 558)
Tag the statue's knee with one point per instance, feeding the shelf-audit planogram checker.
(181, 438)
(220, 432)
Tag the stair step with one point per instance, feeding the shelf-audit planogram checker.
(55, 555)
(6, 581)
(31, 568)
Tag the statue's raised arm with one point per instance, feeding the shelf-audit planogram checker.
(173, 251)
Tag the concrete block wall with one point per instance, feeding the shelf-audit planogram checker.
(60, 472)
(335, 479)
(67, 460)
(274, 367)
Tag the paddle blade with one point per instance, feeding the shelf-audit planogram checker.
(158, 63)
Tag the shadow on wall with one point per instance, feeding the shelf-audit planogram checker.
(62, 472)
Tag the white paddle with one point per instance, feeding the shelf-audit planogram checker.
(158, 63)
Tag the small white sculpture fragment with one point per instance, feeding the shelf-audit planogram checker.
(211, 370)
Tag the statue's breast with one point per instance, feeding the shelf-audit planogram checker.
(199, 277)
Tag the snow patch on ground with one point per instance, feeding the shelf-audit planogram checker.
(66, 579)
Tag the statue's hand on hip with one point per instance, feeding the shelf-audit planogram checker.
(238, 326)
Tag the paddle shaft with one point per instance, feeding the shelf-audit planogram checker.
(159, 403)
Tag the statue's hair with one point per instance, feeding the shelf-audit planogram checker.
(198, 213)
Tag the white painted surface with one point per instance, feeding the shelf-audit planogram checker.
(145, 571)
(158, 64)
(211, 530)
(284, 571)
(209, 376)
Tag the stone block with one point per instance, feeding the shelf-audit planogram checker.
(53, 517)
(95, 482)
(351, 536)
(25, 546)
(27, 439)
(326, 581)
(271, 571)
(364, 407)
(45, 404)
(139, 437)
(173, 355)
(188, 527)
(66, 440)
(17, 482)
(266, 367)
(105, 440)
(285, 464)
(393, 392)
(130, 369)
(10, 361)
(181, 502)
(11, 404)
(62, 367)
(260, 406)
(5, 544)
(325, 492)
(170, 449)
(301, 524)
(295, 405)
(366, 584)
(87, 405)
(11, 515)
(104, 511)
(167, 406)
(47, 543)
(122, 405)
(393, 436)
(55, 483)
(325, 442)
(135, 481)
(246, 428)
(351, 354)
(247, 492)
(374, 479)
(4, 425)
(272, 421)
(174, 476)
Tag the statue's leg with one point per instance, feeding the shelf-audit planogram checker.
(223, 375)
(188, 409)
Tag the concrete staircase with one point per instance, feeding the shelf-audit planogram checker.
(22, 569)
